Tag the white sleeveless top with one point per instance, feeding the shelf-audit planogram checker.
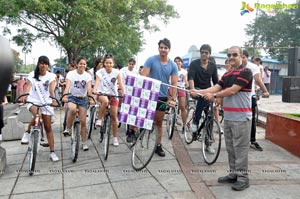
(181, 74)
(108, 81)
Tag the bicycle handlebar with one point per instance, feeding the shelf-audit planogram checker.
(35, 104)
(108, 95)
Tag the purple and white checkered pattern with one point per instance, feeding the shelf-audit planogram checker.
(139, 101)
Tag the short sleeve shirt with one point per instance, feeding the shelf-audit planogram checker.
(79, 82)
(161, 72)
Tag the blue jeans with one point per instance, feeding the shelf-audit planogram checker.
(82, 102)
(201, 103)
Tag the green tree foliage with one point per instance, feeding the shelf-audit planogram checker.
(275, 33)
(96, 27)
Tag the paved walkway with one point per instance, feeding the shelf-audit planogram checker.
(275, 173)
(91, 176)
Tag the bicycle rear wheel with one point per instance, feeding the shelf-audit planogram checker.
(211, 144)
(143, 148)
(170, 122)
(91, 121)
(188, 134)
(75, 138)
(32, 150)
(107, 133)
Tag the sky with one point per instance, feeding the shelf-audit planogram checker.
(214, 22)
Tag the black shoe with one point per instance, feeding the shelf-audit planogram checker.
(227, 179)
(160, 151)
(130, 137)
(256, 146)
(194, 136)
(239, 186)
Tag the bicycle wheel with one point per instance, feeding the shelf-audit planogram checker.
(65, 119)
(107, 133)
(32, 150)
(170, 122)
(188, 134)
(211, 144)
(91, 121)
(75, 138)
(143, 149)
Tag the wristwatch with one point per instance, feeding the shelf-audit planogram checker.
(215, 95)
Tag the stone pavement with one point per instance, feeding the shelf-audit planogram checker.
(274, 172)
(91, 176)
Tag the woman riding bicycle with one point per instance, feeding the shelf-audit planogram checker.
(40, 86)
(78, 84)
(108, 80)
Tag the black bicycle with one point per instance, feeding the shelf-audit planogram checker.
(92, 118)
(36, 132)
(143, 148)
(75, 135)
(105, 130)
(208, 132)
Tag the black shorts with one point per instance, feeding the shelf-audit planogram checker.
(161, 104)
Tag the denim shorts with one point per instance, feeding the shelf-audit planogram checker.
(81, 101)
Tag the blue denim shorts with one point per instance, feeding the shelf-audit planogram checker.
(81, 101)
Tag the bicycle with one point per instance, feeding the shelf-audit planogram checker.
(92, 117)
(36, 132)
(75, 135)
(143, 148)
(211, 133)
(105, 130)
(172, 117)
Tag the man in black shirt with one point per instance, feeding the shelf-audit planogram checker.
(201, 74)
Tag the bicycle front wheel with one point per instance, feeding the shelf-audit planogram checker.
(107, 133)
(188, 134)
(144, 148)
(170, 122)
(91, 121)
(32, 150)
(75, 139)
(211, 144)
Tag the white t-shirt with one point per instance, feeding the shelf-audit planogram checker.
(125, 71)
(40, 91)
(255, 70)
(79, 82)
(108, 81)
(181, 81)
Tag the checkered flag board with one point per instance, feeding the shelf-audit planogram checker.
(139, 101)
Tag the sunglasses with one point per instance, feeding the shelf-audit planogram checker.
(108, 56)
(204, 52)
(232, 55)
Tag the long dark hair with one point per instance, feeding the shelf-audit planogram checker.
(98, 60)
(41, 60)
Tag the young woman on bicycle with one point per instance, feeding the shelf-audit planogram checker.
(40, 86)
(78, 84)
(108, 80)
(182, 83)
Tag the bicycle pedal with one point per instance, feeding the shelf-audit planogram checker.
(44, 144)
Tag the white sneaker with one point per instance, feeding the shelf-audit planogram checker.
(0, 138)
(53, 157)
(99, 123)
(194, 127)
(25, 138)
(67, 132)
(85, 147)
(211, 150)
(115, 141)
